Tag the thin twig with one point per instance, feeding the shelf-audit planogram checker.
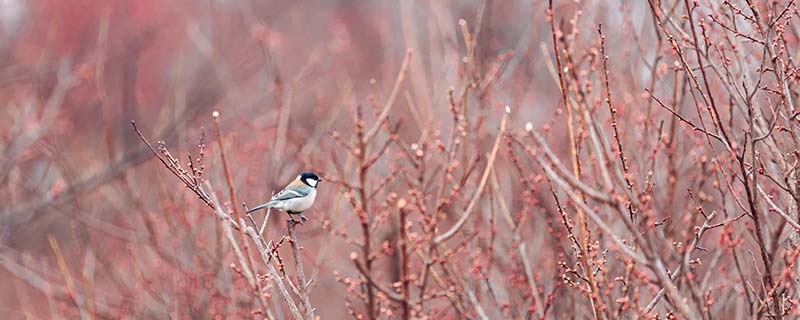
(401, 75)
(468, 211)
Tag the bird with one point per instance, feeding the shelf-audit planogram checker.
(296, 197)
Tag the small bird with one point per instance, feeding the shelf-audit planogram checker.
(296, 197)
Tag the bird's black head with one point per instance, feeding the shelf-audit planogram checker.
(310, 179)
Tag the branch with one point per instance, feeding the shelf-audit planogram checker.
(392, 96)
(389, 293)
(450, 233)
(291, 226)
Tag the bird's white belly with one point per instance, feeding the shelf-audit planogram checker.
(299, 204)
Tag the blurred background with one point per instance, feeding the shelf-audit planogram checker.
(88, 217)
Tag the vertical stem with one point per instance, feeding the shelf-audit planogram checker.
(225, 166)
(247, 260)
(582, 225)
(613, 111)
(765, 257)
(291, 226)
(404, 260)
(362, 209)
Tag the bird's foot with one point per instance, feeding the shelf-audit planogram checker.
(293, 221)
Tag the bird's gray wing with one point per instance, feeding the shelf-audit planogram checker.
(292, 192)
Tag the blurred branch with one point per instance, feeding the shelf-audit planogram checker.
(401, 75)
(47, 116)
(489, 164)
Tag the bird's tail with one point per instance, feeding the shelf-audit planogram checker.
(259, 207)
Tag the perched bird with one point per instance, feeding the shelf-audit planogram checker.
(296, 197)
